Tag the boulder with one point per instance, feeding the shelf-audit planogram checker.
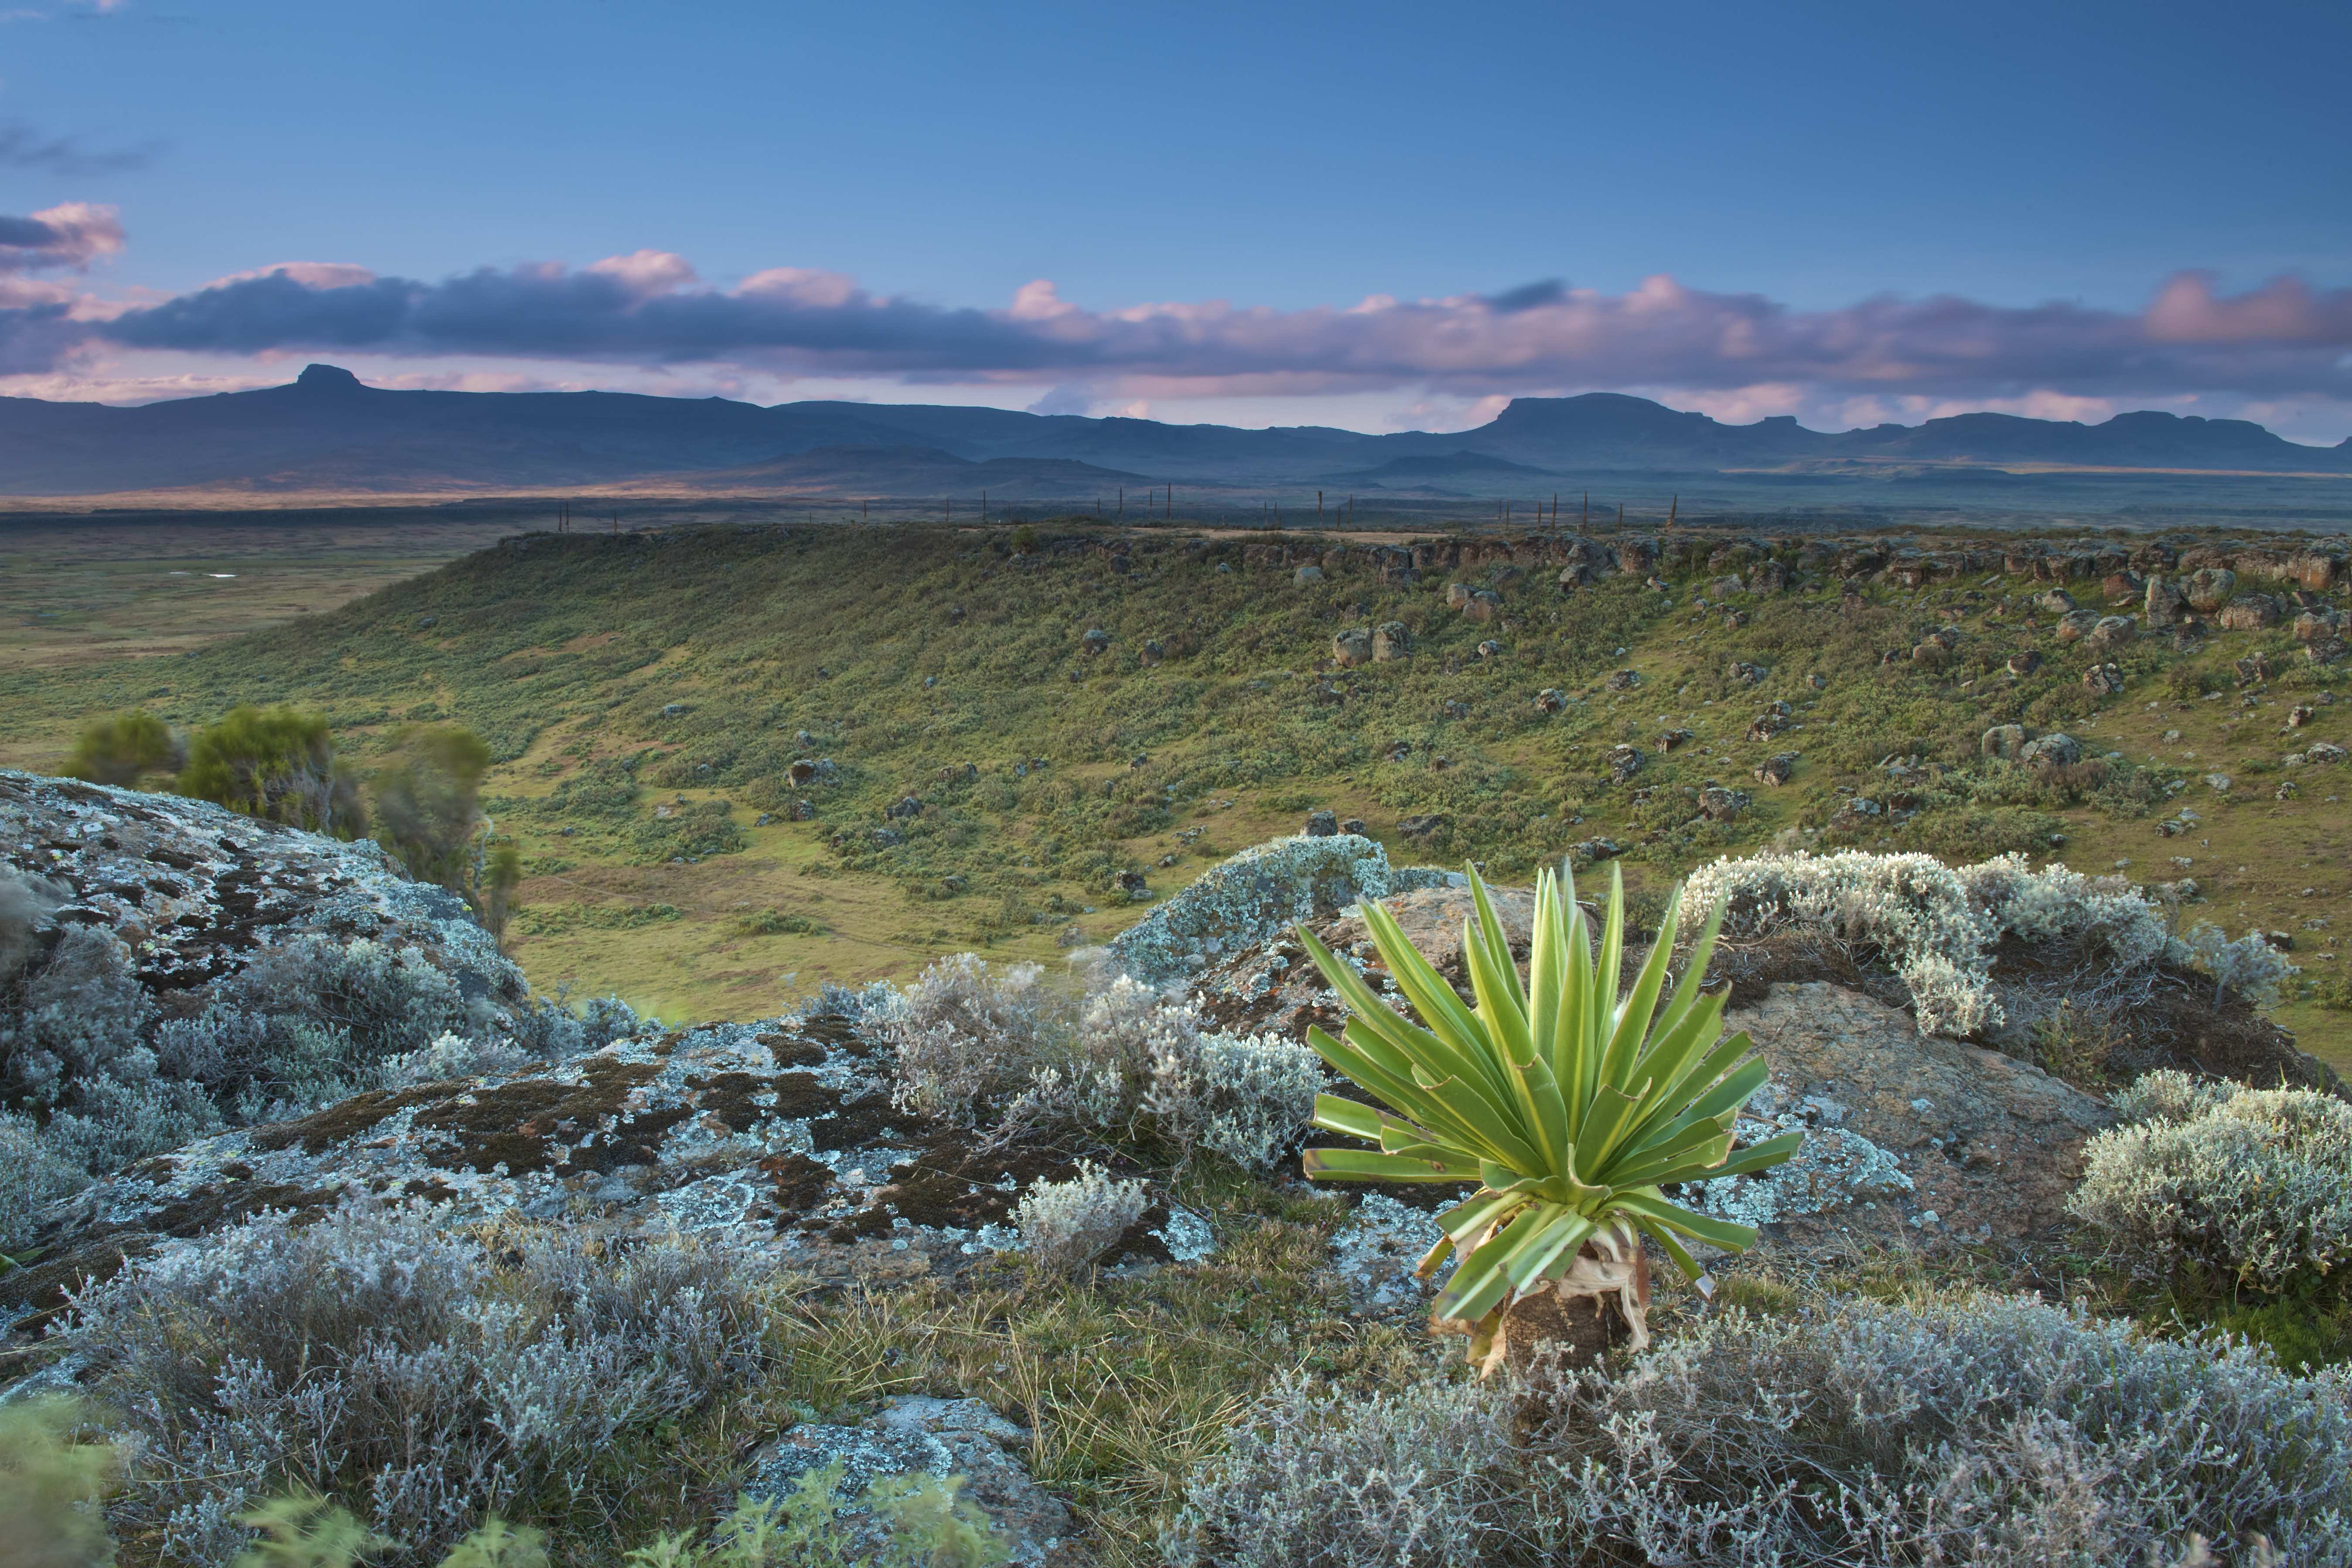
(1719, 805)
(2105, 679)
(2313, 569)
(2209, 588)
(1456, 595)
(1352, 648)
(1622, 761)
(2165, 603)
(2122, 587)
(1321, 824)
(1777, 770)
(1724, 587)
(2312, 626)
(2006, 742)
(1306, 576)
(1483, 606)
(1551, 700)
(2024, 663)
(1623, 679)
(2053, 750)
(2249, 613)
(2078, 625)
(2057, 601)
(2253, 668)
(2112, 631)
(1746, 674)
(1095, 641)
(1767, 577)
(1423, 826)
(1390, 642)
(1490, 649)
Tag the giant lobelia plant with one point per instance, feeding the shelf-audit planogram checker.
(1571, 1106)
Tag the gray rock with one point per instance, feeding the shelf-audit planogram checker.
(1390, 642)
(1551, 700)
(2249, 613)
(1769, 577)
(2105, 679)
(2209, 588)
(1483, 606)
(2057, 601)
(1352, 648)
(1720, 805)
(1622, 761)
(921, 1434)
(2165, 604)
(2113, 631)
(1777, 769)
(1321, 824)
(2078, 625)
(2052, 751)
(1306, 575)
(2005, 742)
(1095, 641)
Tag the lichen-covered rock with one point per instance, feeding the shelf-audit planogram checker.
(1353, 647)
(2053, 750)
(1247, 899)
(2209, 588)
(2249, 613)
(1391, 641)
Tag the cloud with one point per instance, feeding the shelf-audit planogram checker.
(72, 234)
(23, 147)
(1743, 353)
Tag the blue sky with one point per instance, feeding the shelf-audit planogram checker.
(851, 200)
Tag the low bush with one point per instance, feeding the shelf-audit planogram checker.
(279, 764)
(2249, 1188)
(1986, 1431)
(1065, 1225)
(421, 1378)
(1125, 1067)
(125, 748)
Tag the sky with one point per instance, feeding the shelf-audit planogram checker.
(1380, 216)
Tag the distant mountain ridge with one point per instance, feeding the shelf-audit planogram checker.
(326, 430)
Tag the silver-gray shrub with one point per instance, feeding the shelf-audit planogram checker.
(1989, 1432)
(422, 1377)
(33, 1171)
(1123, 1066)
(2250, 1186)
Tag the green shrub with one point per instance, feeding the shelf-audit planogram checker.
(125, 748)
(427, 803)
(277, 765)
(50, 1484)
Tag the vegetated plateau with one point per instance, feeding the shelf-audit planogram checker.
(596, 1276)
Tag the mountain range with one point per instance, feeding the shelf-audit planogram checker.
(328, 431)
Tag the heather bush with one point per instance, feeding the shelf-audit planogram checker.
(1987, 1431)
(2248, 1187)
(125, 748)
(964, 1038)
(421, 1378)
(2250, 966)
(278, 766)
(1065, 1225)
(428, 795)
(33, 1171)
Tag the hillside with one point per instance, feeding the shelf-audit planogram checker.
(744, 759)
(326, 431)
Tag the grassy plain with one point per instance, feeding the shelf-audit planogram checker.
(648, 694)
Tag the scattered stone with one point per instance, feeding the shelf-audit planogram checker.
(1769, 577)
(1551, 700)
(1720, 805)
(2326, 650)
(1490, 649)
(2312, 626)
(1724, 587)
(2209, 588)
(2059, 750)
(886, 837)
(1592, 851)
(2024, 663)
(2057, 601)
(2165, 603)
(2113, 631)
(1777, 769)
(2105, 679)
(1153, 654)
(1456, 710)
(1667, 740)
(1133, 885)
(1095, 641)
(1818, 683)
(1353, 825)
(1398, 751)
(1623, 679)
(2078, 625)
(1746, 674)
(2325, 751)
(1623, 762)
(673, 710)
(2122, 587)
(1427, 827)
(802, 810)
(2253, 668)
(1307, 575)
(425, 623)
(2218, 782)
(906, 806)
(1457, 595)
(2299, 715)
(1390, 642)
(2006, 742)
(1483, 606)
(2250, 612)
(1321, 824)
(1352, 648)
